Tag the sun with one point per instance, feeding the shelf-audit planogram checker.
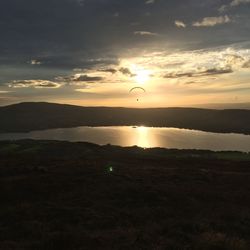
(142, 76)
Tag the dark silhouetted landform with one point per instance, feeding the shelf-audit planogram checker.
(242, 105)
(39, 116)
(81, 196)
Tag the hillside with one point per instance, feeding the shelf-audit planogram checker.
(25, 117)
(60, 195)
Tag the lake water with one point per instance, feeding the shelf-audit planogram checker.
(141, 136)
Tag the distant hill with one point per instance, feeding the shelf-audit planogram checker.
(25, 117)
(243, 105)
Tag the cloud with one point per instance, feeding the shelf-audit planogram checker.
(212, 21)
(78, 79)
(246, 64)
(234, 3)
(34, 62)
(126, 71)
(150, 2)
(178, 75)
(86, 78)
(180, 24)
(215, 71)
(206, 72)
(234, 60)
(238, 2)
(223, 8)
(110, 70)
(33, 84)
(145, 33)
(90, 77)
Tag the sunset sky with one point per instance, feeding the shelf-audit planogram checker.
(92, 52)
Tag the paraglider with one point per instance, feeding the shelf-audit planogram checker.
(137, 89)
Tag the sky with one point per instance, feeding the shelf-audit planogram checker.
(93, 52)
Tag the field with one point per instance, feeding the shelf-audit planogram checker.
(60, 195)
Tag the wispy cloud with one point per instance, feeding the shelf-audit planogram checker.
(150, 2)
(79, 79)
(90, 78)
(86, 78)
(207, 72)
(198, 64)
(246, 65)
(145, 33)
(234, 3)
(34, 62)
(212, 21)
(126, 71)
(116, 14)
(109, 70)
(180, 24)
(199, 67)
(34, 84)
(238, 2)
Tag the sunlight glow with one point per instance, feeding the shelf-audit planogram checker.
(142, 76)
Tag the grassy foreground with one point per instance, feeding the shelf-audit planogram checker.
(60, 195)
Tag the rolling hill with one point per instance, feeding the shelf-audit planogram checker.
(25, 117)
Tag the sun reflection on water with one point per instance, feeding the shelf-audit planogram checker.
(143, 137)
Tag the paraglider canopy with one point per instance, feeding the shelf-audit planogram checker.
(137, 88)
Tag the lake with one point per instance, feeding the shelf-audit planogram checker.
(145, 137)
